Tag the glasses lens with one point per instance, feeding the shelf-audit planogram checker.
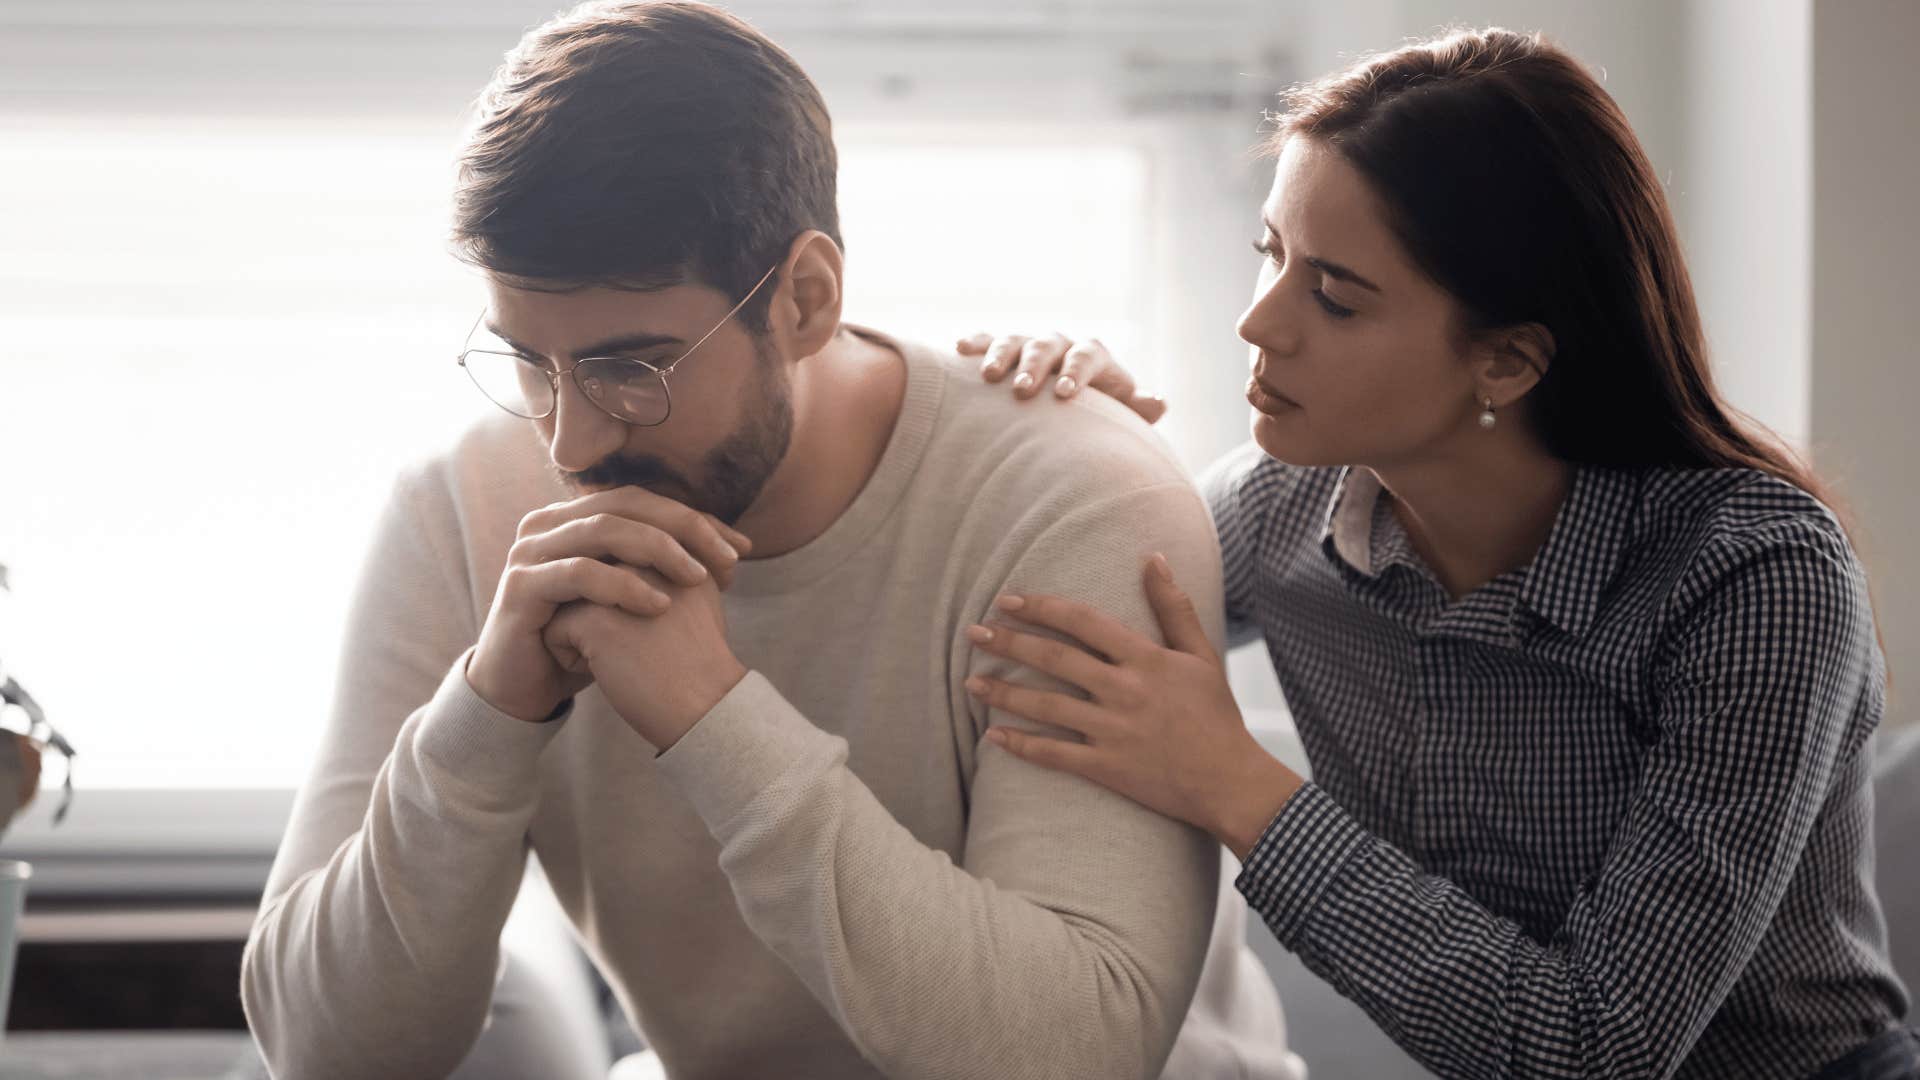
(628, 389)
(516, 385)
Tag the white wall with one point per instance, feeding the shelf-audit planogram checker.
(1744, 97)
(1865, 238)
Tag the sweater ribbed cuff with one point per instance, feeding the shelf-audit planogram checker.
(486, 749)
(739, 748)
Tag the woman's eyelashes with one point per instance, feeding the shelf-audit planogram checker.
(1333, 308)
(1327, 303)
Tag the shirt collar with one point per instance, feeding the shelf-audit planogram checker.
(1566, 580)
(1360, 527)
(1348, 531)
(1583, 551)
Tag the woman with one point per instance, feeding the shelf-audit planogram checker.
(1585, 669)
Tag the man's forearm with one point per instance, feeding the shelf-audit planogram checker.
(380, 962)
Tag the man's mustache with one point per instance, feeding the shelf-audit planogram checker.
(618, 471)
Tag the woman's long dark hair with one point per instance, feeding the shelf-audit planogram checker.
(1515, 182)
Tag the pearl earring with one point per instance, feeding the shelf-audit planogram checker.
(1486, 418)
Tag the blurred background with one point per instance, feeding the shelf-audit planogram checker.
(227, 314)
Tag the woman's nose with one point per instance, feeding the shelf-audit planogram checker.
(1267, 325)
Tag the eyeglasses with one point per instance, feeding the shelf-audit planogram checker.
(628, 390)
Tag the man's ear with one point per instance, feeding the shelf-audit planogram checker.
(806, 308)
(1511, 360)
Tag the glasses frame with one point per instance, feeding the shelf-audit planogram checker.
(553, 374)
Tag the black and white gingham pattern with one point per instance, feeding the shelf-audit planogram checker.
(1607, 815)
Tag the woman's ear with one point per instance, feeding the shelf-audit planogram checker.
(1533, 345)
(1511, 361)
(806, 310)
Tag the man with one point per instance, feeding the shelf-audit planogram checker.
(758, 785)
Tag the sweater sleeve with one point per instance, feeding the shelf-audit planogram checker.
(1068, 940)
(374, 951)
(1758, 693)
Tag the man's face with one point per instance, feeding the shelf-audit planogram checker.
(732, 416)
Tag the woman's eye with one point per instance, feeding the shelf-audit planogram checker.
(1338, 311)
(1333, 308)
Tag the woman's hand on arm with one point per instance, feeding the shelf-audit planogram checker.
(1161, 726)
(1066, 364)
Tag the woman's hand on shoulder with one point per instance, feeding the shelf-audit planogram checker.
(1062, 363)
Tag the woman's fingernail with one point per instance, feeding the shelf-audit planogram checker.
(1160, 567)
(999, 737)
(1010, 603)
(1065, 385)
(980, 634)
(976, 685)
(990, 366)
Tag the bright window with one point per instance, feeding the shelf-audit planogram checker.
(223, 337)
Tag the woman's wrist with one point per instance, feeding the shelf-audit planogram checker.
(1252, 800)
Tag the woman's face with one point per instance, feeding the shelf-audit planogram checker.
(1359, 358)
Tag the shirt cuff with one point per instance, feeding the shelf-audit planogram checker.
(740, 748)
(1303, 852)
(488, 750)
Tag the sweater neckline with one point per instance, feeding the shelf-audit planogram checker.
(906, 446)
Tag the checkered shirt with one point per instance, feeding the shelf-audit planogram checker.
(1608, 814)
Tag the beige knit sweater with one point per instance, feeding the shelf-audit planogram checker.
(832, 874)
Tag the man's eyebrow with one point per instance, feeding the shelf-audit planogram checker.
(1331, 269)
(610, 347)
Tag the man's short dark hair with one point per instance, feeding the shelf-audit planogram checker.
(641, 145)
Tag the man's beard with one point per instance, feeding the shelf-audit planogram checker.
(734, 472)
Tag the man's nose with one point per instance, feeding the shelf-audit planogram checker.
(583, 433)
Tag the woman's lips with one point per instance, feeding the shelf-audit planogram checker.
(1268, 400)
